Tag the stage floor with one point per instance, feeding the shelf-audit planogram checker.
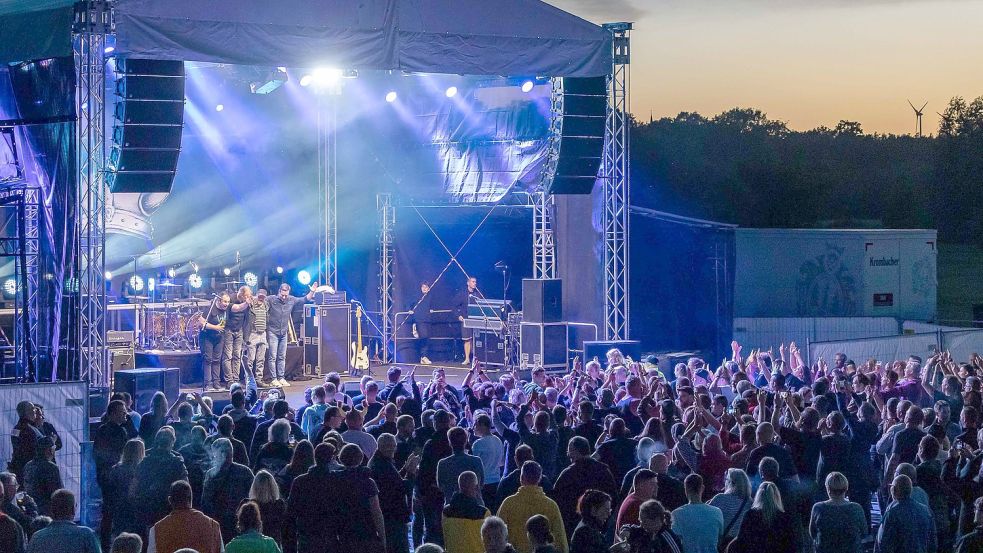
(295, 392)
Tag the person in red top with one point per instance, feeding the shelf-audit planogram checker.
(644, 487)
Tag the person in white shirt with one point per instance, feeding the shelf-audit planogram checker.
(698, 525)
(489, 448)
(355, 435)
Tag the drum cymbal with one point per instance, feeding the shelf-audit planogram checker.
(138, 298)
(168, 285)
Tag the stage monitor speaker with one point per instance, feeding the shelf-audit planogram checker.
(543, 345)
(141, 384)
(581, 150)
(148, 123)
(542, 300)
(327, 338)
(599, 349)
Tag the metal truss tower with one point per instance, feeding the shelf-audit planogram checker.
(387, 266)
(327, 185)
(93, 21)
(24, 248)
(616, 181)
(544, 252)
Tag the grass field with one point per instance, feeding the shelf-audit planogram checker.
(960, 272)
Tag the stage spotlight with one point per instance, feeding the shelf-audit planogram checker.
(195, 281)
(171, 272)
(451, 92)
(271, 82)
(391, 97)
(227, 271)
(250, 279)
(110, 44)
(108, 275)
(527, 86)
(136, 283)
(151, 285)
(10, 287)
(327, 76)
(304, 277)
(279, 270)
(219, 107)
(306, 80)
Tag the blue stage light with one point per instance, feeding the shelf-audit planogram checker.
(279, 270)
(195, 281)
(151, 285)
(451, 92)
(391, 97)
(304, 277)
(10, 287)
(250, 279)
(527, 86)
(136, 283)
(219, 107)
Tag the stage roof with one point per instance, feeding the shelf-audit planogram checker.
(486, 37)
(35, 29)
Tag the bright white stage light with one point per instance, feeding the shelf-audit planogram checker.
(250, 279)
(136, 283)
(171, 272)
(219, 107)
(10, 287)
(108, 275)
(327, 76)
(451, 92)
(391, 97)
(151, 285)
(195, 281)
(227, 271)
(527, 86)
(306, 80)
(279, 270)
(304, 278)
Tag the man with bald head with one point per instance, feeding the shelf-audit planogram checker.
(908, 526)
(768, 448)
(464, 514)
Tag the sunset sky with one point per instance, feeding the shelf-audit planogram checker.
(808, 63)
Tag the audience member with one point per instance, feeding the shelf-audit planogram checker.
(227, 484)
(184, 527)
(63, 535)
(530, 500)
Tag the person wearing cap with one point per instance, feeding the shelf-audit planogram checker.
(256, 344)
(24, 438)
(41, 476)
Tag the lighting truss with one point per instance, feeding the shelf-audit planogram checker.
(544, 252)
(24, 248)
(387, 266)
(93, 22)
(616, 184)
(327, 185)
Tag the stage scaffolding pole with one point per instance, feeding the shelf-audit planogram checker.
(24, 249)
(387, 266)
(616, 183)
(93, 21)
(544, 253)
(327, 185)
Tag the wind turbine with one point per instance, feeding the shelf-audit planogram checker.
(918, 117)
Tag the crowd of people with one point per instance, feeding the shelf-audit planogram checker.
(760, 454)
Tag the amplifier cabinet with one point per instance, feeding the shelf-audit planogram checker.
(141, 384)
(327, 338)
(489, 348)
(543, 345)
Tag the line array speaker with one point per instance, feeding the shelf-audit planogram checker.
(585, 103)
(149, 120)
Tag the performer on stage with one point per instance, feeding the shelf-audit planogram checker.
(232, 335)
(277, 323)
(465, 297)
(210, 340)
(422, 318)
(255, 334)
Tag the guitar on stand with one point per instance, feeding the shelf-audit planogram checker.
(359, 362)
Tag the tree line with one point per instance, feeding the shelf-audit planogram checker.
(742, 167)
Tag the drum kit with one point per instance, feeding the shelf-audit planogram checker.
(171, 324)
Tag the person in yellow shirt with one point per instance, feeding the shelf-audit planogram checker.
(528, 501)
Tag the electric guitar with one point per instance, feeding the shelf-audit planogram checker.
(359, 361)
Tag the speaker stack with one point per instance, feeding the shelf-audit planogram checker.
(327, 338)
(149, 120)
(581, 138)
(141, 384)
(543, 336)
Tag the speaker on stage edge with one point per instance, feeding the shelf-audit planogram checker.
(542, 300)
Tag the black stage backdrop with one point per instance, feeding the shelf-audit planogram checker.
(682, 275)
(478, 236)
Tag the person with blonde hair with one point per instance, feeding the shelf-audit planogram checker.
(837, 525)
(734, 502)
(766, 527)
(265, 492)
